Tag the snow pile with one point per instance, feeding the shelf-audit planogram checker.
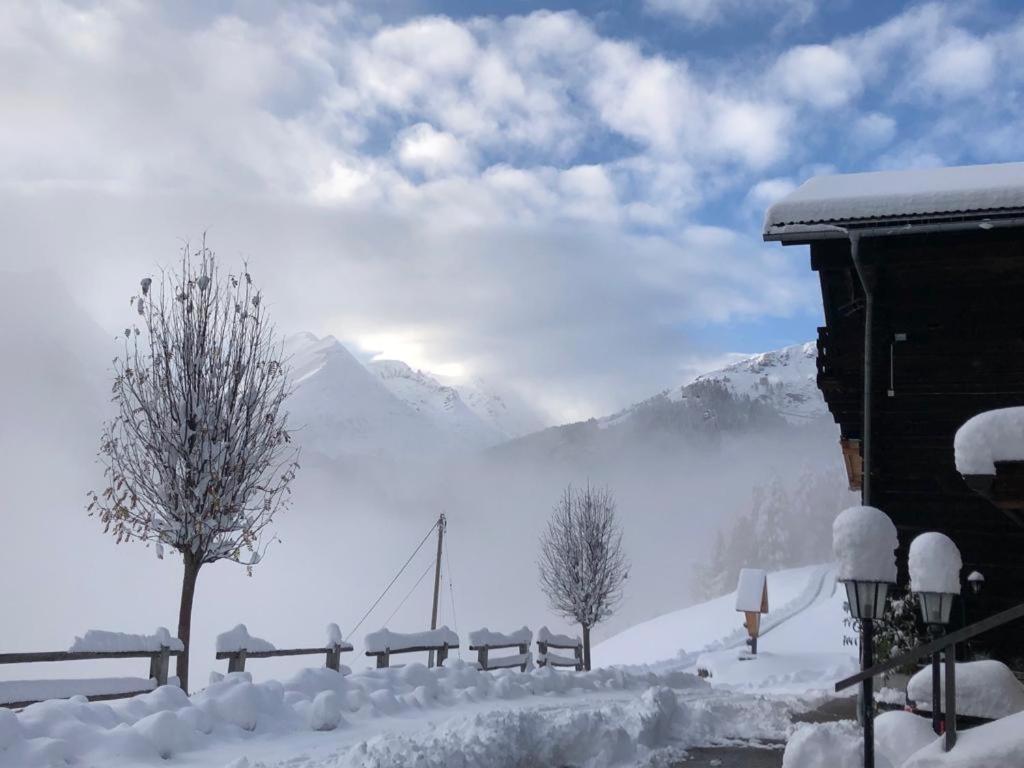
(826, 745)
(167, 723)
(934, 564)
(100, 640)
(864, 542)
(777, 672)
(386, 640)
(984, 688)
(841, 745)
(334, 635)
(239, 639)
(485, 637)
(750, 589)
(987, 438)
(545, 635)
(994, 745)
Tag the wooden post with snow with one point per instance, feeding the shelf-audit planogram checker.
(752, 601)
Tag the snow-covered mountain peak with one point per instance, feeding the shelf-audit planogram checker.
(784, 378)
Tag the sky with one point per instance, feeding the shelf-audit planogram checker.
(562, 197)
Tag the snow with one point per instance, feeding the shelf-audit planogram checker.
(985, 688)
(987, 438)
(840, 745)
(334, 636)
(998, 744)
(39, 690)
(777, 672)
(238, 639)
(934, 564)
(545, 635)
(103, 641)
(750, 589)
(386, 640)
(915, 192)
(864, 543)
(484, 636)
(714, 625)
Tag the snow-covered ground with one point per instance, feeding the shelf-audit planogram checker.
(646, 714)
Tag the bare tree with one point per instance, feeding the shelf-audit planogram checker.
(582, 566)
(198, 456)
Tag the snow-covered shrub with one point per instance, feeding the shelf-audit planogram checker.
(325, 711)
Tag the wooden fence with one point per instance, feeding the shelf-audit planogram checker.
(159, 663)
(236, 659)
(547, 659)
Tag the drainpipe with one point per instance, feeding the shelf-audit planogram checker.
(867, 282)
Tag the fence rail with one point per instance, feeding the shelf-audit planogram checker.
(159, 664)
(236, 659)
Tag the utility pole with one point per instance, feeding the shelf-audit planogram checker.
(441, 523)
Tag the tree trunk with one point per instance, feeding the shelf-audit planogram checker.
(586, 647)
(188, 592)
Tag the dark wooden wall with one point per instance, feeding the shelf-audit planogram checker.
(959, 300)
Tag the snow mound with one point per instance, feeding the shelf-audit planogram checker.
(934, 564)
(334, 635)
(993, 745)
(841, 745)
(101, 640)
(239, 639)
(485, 637)
(987, 438)
(984, 688)
(386, 640)
(545, 635)
(864, 542)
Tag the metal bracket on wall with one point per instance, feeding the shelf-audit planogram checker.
(892, 361)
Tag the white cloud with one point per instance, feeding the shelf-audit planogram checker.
(818, 74)
(769, 191)
(708, 12)
(434, 152)
(961, 66)
(874, 130)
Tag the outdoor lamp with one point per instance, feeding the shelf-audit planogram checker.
(935, 607)
(977, 581)
(867, 598)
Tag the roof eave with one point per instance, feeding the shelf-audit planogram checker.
(804, 233)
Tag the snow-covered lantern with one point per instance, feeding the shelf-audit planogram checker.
(752, 601)
(935, 576)
(989, 453)
(864, 542)
(977, 581)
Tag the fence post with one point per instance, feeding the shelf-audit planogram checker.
(159, 663)
(442, 655)
(334, 657)
(383, 659)
(481, 657)
(237, 662)
(523, 650)
(950, 698)
(542, 652)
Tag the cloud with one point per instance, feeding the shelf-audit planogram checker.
(479, 185)
(818, 74)
(710, 12)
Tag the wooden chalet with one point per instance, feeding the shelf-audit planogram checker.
(931, 262)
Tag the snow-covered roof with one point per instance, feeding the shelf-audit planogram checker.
(823, 203)
(752, 591)
(989, 437)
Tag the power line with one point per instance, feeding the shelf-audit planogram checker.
(392, 583)
(451, 591)
(409, 593)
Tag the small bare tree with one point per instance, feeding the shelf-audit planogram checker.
(198, 456)
(582, 566)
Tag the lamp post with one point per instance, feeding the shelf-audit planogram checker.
(867, 601)
(934, 565)
(864, 542)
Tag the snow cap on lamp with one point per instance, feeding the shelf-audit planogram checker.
(934, 564)
(864, 542)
